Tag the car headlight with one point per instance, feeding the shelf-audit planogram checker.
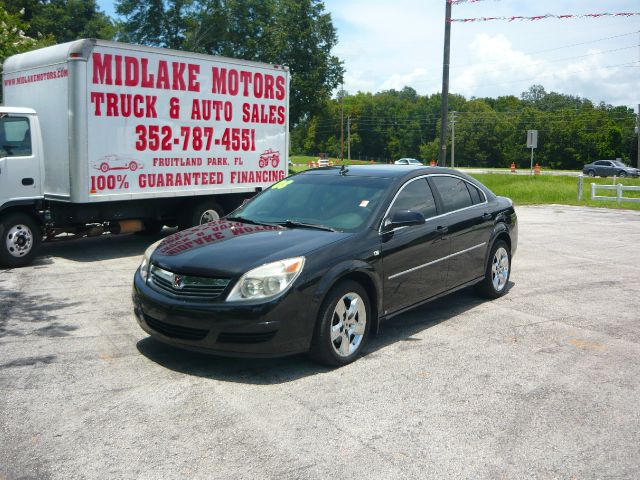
(146, 260)
(267, 281)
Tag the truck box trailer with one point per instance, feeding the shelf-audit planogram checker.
(100, 136)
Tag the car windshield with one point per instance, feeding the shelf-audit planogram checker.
(335, 201)
(618, 164)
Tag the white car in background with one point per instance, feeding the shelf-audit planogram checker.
(408, 161)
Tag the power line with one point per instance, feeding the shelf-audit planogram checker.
(544, 17)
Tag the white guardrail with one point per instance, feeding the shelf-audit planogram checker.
(617, 187)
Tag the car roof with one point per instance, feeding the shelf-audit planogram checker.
(396, 172)
(379, 170)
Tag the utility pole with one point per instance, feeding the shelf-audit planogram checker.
(453, 139)
(349, 137)
(442, 155)
(342, 124)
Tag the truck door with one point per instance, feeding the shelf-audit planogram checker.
(19, 160)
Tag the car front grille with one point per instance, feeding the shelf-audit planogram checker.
(175, 331)
(187, 286)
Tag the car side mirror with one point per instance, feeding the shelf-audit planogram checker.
(403, 218)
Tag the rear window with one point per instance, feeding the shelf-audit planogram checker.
(476, 195)
(453, 192)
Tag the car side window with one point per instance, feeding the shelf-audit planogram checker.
(15, 137)
(416, 196)
(476, 195)
(453, 192)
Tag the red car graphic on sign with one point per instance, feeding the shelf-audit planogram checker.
(269, 156)
(116, 162)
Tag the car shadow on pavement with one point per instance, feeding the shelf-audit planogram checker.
(104, 247)
(270, 371)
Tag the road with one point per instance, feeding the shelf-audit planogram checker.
(542, 383)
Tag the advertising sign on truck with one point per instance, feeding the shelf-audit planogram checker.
(124, 132)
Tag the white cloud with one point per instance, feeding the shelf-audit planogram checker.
(499, 69)
(392, 44)
(399, 81)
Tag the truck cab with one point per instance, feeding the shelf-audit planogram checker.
(21, 173)
(21, 164)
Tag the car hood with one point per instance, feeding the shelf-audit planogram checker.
(229, 249)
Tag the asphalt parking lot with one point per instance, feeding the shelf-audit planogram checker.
(542, 383)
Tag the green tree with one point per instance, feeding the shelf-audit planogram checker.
(13, 39)
(63, 20)
(489, 132)
(157, 23)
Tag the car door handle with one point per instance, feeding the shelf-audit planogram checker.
(487, 216)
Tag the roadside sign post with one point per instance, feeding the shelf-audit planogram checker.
(532, 143)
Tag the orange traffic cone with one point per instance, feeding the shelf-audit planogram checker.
(513, 167)
(536, 169)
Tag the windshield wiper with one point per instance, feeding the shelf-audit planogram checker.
(248, 220)
(294, 224)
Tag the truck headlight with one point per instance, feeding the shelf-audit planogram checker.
(146, 260)
(267, 281)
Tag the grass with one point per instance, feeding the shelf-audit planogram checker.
(546, 189)
(529, 190)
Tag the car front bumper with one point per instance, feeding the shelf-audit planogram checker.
(283, 326)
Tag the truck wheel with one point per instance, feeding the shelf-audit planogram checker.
(204, 212)
(20, 238)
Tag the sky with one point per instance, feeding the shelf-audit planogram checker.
(390, 44)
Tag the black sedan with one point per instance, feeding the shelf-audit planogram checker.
(609, 168)
(316, 262)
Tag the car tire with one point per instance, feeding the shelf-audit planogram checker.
(343, 325)
(591, 173)
(622, 174)
(204, 212)
(497, 272)
(20, 239)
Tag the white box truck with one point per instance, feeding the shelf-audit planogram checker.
(99, 136)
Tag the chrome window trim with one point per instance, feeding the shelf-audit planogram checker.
(486, 201)
(395, 275)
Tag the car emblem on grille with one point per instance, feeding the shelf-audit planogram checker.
(178, 282)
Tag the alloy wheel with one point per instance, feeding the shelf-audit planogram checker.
(348, 324)
(500, 269)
